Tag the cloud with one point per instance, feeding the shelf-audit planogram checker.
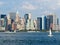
(58, 4)
(45, 0)
(51, 4)
(29, 6)
(42, 0)
(55, 5)
(1, 3)
(46, 12)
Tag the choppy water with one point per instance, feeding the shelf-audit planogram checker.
(32, 38)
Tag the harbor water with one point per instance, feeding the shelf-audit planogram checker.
(29, 38)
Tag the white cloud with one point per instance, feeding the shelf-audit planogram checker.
(53, 7)
(29, 6)
(1, 3)
(46, 12)
(45, 0)
(42, 0)
(58, 4)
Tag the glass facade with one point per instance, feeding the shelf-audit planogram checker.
(39, 23)
(3, 15)
(26, 16)
(45, 23)
(6, 23)
(57, 21)
(48, 23)
(27, 20)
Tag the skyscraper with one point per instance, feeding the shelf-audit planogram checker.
(3, 15)
(48, 23)
(30, 25)
(27, 17)
(9, 20)
(14, 26)
(5, 23)
(17, 17)
(53, 21)
(39, 23)
(22, 24)
(12, 15)
(12, 18)
(2, 19)
(9, 23)
(44, 23)
(35, 24)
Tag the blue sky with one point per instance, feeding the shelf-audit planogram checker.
(36, 7)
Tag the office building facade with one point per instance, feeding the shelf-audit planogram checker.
(53, 21)
(27, 18)
(39, 23)
(44, 23)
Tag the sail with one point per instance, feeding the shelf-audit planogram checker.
(50, 33)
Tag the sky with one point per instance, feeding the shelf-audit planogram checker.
(36, 7)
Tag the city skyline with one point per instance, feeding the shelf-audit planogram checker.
(36, 7)
(13, 22)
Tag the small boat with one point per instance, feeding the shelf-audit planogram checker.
(50, 33)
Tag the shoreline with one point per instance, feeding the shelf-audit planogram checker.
(30, 31)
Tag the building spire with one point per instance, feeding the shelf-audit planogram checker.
(17, 16)
(17, 12)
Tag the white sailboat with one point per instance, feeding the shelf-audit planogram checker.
(50, 33)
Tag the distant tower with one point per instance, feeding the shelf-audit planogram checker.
(53, 21)
(39, 23)
(8, 16)
(35, 24)
(27, 19)
(12, 15)
(29, 15)
(2, 19)
(17, 16)
(9, 20)
(44, 23)
(30, 20)
(6, 23)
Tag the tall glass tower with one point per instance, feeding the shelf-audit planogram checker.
(27, 17)
(39, 23)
